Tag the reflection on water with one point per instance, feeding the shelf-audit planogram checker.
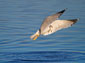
(21, 18)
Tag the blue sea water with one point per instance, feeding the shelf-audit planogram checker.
(19, 19)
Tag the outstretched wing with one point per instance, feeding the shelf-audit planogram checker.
(50, 19)
(58, 25)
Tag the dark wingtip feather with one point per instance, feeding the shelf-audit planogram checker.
(63, 10)
(74, 20)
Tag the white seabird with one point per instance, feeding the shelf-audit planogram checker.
(51, 24)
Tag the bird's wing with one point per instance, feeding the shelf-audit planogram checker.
(58, 25)
(50, 19)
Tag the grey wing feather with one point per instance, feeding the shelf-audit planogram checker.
(50, 19)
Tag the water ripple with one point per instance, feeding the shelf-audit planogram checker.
(45, 56)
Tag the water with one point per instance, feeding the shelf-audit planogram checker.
(21, 18)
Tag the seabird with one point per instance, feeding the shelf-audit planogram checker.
(52, 24)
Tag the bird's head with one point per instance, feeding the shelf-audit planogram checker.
(35, 36)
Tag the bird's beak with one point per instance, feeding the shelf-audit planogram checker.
(36, 36)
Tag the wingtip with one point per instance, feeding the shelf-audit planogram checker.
(63, 10)
(74, 20)
(78, 19)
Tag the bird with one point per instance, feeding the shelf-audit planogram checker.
(52, 24)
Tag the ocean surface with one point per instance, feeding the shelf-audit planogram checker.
(19, 19)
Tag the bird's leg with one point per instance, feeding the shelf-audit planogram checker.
(50, 28)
